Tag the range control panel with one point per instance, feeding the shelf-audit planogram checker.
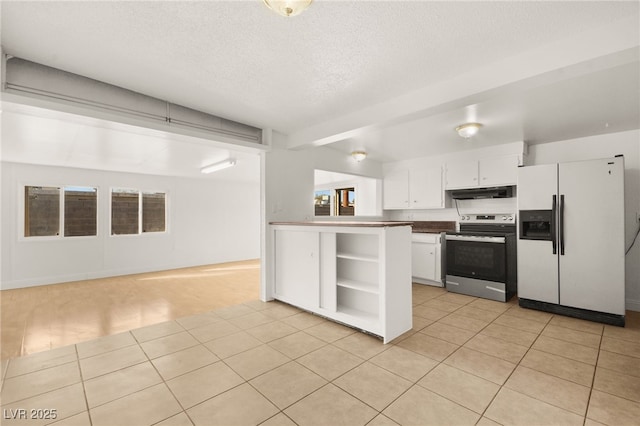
(489, 218)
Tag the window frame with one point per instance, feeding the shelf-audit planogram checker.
(140, 193)
(338, 198)
(332, 187)
(22, 220)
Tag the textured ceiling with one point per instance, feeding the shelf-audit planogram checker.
(239, 60)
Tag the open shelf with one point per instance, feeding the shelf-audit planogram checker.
(363, 315)
(360, 246)
(358, 285)
(358, 302)
(362, 257)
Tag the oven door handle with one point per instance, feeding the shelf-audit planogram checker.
(499, 240)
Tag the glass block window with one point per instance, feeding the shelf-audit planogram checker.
(41, 211)
(125, 212)
(80, 211)
(153, 212)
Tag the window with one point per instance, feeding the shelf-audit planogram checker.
(48, 209)
(41, 211)
(322, 203)
(342, 194)
(125, 212)
(80, 211)
(153, 212)
(345, 201)
(132, 208)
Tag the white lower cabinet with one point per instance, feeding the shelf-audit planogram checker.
(359, 276)
(426, 259)
(297, 260)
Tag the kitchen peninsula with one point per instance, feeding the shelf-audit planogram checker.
(356, 273)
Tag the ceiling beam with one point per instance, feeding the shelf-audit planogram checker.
(599, 49)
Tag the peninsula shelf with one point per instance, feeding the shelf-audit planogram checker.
(356, 273)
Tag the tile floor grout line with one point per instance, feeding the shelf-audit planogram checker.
(584, 416)
(166, 385)
(593, 379)
(508, 377)
(84, 390)
(46, 392)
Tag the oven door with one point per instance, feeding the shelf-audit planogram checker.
(482, 258)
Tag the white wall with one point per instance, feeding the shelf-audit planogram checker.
(603, 146)
(208, 222)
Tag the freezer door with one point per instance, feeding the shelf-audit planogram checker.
(592, 267)
(537, 263)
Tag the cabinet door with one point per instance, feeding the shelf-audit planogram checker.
(462, 174)
(425, 188)
(423, 260)
(499, 171)
(297, 268)
(396, 190)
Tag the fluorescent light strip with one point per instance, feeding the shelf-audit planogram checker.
(218, 166)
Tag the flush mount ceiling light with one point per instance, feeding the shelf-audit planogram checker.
(467, 130)
(359, 155)
(218, 166)
(288, 8)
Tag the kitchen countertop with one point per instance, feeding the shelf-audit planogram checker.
(434, 227)
(375, 224)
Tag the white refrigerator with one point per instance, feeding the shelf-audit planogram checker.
(571, 256)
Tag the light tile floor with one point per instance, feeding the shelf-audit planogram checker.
(466, 361)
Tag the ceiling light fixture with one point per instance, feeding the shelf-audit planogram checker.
(218, 166)
(468, 130)
(288, 8)
(359, 155)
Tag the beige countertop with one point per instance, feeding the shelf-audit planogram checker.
(374, 224)
(434, 227)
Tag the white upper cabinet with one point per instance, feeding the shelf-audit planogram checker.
(497, 171)
(395, 189)
(462, 174)
(413, 188)
(425, 188)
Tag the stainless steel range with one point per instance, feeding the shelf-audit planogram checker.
(481, 257)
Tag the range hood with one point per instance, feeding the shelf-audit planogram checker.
(480, 193)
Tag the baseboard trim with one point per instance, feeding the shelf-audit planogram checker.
(602, 317)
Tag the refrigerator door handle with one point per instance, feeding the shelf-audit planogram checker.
(562, 225)
(553, 224)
